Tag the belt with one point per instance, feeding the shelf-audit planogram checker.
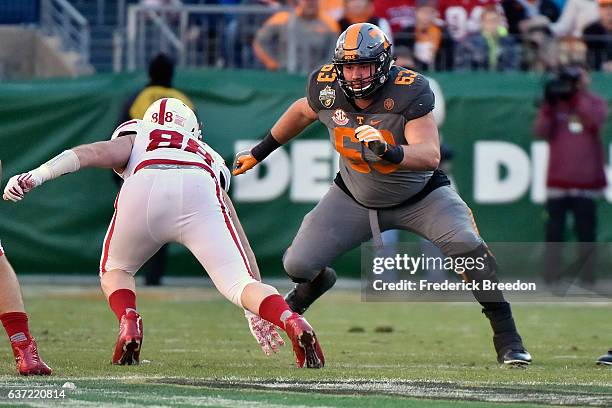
(171, 166)
(167, 164)
(438, 179)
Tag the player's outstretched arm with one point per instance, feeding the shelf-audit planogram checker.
(108, 154)
(291, 123)
(111, 154)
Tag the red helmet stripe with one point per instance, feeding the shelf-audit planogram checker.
(162, 111)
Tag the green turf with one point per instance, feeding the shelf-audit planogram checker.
(198, 351)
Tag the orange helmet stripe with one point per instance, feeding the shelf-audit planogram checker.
(352, 36)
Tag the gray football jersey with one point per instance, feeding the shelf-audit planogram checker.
(373, 182)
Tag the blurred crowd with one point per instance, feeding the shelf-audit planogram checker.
(438, 35)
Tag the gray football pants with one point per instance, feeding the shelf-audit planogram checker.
(338, 224)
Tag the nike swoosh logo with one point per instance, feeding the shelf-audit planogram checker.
(374, 122)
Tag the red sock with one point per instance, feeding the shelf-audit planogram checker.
(120, 300)
(275, 310)
(16, 326)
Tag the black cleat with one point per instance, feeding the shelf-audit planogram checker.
(305, 293)
(515, 358)
(295, 302)
(605, 360)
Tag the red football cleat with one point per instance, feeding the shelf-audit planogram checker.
(127, 349)
(305, 343)
(28, 360)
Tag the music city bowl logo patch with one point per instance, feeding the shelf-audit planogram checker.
(340, 117)
(327, 96)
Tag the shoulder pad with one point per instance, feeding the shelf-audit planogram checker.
(409, 94)
(322, 88)
(127, 128)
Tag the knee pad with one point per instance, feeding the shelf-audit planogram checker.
(485, 268)
(485, 265)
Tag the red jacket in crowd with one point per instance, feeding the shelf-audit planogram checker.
(573, 131)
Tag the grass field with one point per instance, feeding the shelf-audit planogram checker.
(198, 352)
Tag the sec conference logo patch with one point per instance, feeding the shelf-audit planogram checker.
(327, 96)
(340, 117)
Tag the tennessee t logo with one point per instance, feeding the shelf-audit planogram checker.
(360, 120)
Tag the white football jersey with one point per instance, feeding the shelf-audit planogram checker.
(156, 144)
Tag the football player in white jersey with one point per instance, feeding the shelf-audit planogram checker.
(174, 191)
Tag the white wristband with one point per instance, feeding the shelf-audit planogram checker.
(64, 163)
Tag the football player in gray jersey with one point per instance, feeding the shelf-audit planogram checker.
(380, 122)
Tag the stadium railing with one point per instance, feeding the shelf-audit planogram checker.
(60, 18)
(222, 36)
(196, 35)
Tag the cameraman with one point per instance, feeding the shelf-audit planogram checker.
(570, 120)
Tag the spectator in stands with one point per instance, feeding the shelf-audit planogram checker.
(431, 45)
(399, 13)
(571, 120)
(298, 41)
(462, 17)
(161, 74)
(521, 10)
(240, 33)
(403, 56)
(332, 8)
(491, 49)
(575, 17)
(571, 51)
(539, 45)
(598, 37)
(362, 11)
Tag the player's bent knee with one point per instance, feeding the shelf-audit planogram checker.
(114, 274)
(483, 266)
(461, 242)
(298, 268)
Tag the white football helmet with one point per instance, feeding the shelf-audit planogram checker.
(173, 112)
